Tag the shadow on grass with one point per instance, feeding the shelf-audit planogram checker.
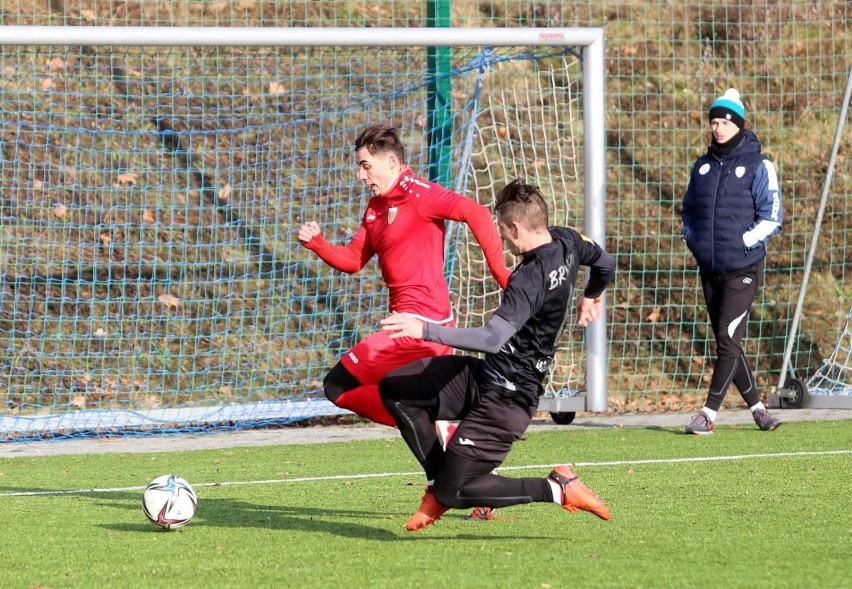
(229, 513)
(678, 431)
(672, 429)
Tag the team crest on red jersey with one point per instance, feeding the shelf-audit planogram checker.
(392, 214)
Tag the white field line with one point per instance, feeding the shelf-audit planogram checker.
(406, 474)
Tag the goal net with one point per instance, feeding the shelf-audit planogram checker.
(834, 377)
(150, 274)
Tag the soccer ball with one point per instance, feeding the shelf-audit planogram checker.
(169, 501)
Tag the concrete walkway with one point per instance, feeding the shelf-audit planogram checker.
(347, 433)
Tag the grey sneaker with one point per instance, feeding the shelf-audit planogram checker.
(764, 420)
(700, 425)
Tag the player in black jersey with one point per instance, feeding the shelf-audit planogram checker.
(495, 397)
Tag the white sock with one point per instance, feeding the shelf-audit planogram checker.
(759, 406)
(711, 415)
(556, 491)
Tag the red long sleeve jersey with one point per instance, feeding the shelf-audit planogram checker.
(406, 228)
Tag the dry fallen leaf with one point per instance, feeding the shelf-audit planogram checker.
(655, 315)
(171, 301)
(216, 7)
(276, 88)
(127, 178)
(56, 63)
(150, 402)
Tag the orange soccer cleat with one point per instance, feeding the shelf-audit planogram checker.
(576, 495)
(428, 513)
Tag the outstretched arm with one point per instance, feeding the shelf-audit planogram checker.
(478, 218)
(349, 258)
(601, 273)
(602, 266)
(489, 338)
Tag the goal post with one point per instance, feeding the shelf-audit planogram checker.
(831, 386)
(154, 179)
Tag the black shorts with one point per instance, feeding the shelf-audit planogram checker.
(490, 426)
(451, 388)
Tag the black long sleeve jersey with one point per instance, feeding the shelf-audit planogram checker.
(536, 302)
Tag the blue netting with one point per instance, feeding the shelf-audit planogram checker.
(151, 279)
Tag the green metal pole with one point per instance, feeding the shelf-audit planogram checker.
(439, 99)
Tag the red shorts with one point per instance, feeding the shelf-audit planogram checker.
(372, 358)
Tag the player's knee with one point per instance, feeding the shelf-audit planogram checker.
(338, 381)
(449, 497)
(729, 351)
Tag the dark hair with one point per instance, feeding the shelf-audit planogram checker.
(519, 201)
(381, 138)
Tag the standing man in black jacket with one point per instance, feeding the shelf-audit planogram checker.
(731, 207)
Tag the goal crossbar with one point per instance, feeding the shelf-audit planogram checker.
(299, 36)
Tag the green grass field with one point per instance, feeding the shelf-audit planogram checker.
(741, 508)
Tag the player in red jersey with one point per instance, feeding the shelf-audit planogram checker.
(404, 225)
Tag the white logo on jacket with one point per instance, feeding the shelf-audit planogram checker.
(740, 171)
(558, 276)
(704, 169)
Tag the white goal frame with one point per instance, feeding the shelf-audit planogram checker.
(590, 41)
